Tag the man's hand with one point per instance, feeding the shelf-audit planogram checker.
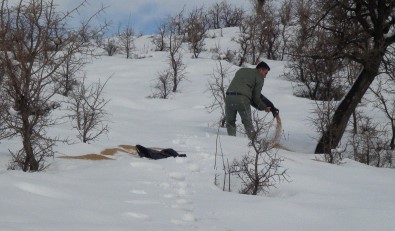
(275, 112)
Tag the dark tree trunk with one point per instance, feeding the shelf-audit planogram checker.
(392, 144)
(30, 164)
(332, 136)
(259, 6)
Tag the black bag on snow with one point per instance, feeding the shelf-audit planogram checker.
(155, 154)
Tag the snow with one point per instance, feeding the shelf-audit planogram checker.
(132, 193)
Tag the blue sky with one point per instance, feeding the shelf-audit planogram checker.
(143, 15)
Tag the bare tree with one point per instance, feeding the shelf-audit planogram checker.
(36, 43)
(176, 23)
(87, 111)
(316, 79)
(217, 86)
(126, 39)
(259, 6)
(314, 76)
(286, 19)
(361, 31)
(385, 101)
(222, 14)
(159, 39)
(231, 16)
(214, 15)
(271, 32)
(196, 29)
(260, 36)
(175, 39)
(174, 74)
(68, 72)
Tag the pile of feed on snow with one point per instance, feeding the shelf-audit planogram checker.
(131, 149)
(87, 157)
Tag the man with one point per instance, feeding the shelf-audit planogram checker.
(244, 90)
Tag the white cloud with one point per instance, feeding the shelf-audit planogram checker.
(144, 13)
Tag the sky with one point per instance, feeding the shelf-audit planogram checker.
(143, 15)
(126, 192)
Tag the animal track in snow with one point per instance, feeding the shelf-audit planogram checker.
(177, 176)
(194, 168)
(142, 202)
(146, 165)
(139, 192)
(137, 215)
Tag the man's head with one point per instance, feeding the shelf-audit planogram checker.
(263, 69)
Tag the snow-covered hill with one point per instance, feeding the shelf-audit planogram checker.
(132, 193)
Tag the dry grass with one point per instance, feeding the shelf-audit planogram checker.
(111, 151)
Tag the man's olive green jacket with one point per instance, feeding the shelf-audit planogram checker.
(248, 82)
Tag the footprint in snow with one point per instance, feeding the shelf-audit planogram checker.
(138, 215)
(194, 168)
(183, 201)
(142, 202)
(169, 196)
(146, 165)
(183, 208)
(177, 176)
(139, 192)
(186, 219)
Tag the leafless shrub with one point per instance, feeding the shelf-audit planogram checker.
(126, 39)
(217, 86)
(286, 23)
(222, 15)
(219, 54)
(316, 79)
(163, 86)
(87, 111)
(226, 168)
(320, 119)
(159, 39)
(110, 46)
(385, 102)
(314, 76)
(231, 16)
(43, 148)
(196, 29)
(176, 64)
(259, 37)
(260, 169)
(369, 144)
(67, 73)
(36, 44)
